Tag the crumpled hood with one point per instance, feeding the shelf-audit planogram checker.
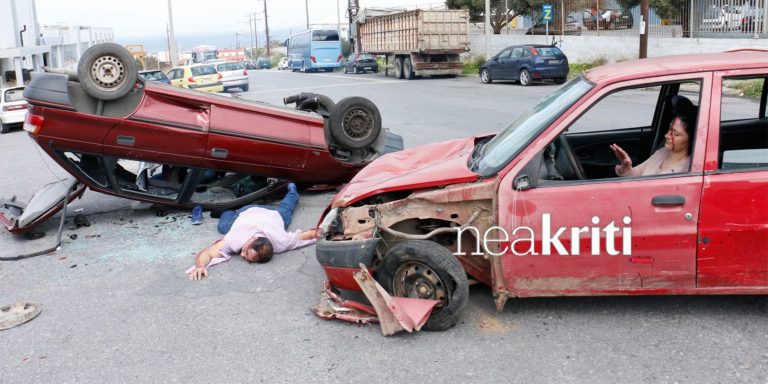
(425, 166)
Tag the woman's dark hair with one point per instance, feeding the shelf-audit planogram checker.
(263, 248)
(683, 109)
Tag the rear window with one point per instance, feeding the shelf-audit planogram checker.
(325, 35)
(366, 56)
(230, 66)
(14, 95)
(154, 76)
(204, 70)
(549, 51)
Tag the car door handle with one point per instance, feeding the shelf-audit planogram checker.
(219, 153)
(126, 140)
(667, 200)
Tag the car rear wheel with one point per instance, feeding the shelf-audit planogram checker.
(423, 269)
(355, 122)
(244, 88)
(4, 128)
(560, 80)
(485, 76)
(408, 69)
(107, 71)
(525, 78)
(399, 67)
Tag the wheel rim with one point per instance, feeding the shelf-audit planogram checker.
(484, 76)
(524, 77)
(358, 124)
(417, 280)
(108, 72)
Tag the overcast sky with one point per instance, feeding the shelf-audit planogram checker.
(149, 17)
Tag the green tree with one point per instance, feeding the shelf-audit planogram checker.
(500, 15)
(666, 9)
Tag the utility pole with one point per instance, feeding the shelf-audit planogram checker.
(266, 26)
(306, 5)
(338, 16)
(172, 54)
(250, 22)
(644, 28)
(487, 29)
(358, 43)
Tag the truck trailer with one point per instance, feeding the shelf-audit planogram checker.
(418, 42)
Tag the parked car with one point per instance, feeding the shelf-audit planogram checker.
(264, 63)
(726, 18)
(424, 219)
(751, 19)
(361, 62)
(121, 135)
(572, 27)
(608, 19)
(282, 64)
(155, 75)
(13, 108)
(233, 75)
(526, 63)
(199, 77)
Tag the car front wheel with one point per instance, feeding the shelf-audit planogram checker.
(422, 269)
(485, 76)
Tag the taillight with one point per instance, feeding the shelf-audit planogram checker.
(338, 59)
(33, 123)
(8, 108)
(313, 59)
(534, 51)
(191, 80)
(245, 72)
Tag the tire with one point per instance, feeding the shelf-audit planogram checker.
(485, 76)
(525, 78)
(560, 80)
(355, 122)
(4, 128)
(408, 69)
(244, 88)
(398, 67)
(107, 71)
(429, 266)
(317, 103)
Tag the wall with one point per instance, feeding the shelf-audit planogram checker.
(587, 48)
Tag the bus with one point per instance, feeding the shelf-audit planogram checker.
(315, 49)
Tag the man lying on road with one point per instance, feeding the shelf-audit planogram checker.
(256, 234)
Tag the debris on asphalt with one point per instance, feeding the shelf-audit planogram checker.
(73, 236)
(72, 266)
(18, 313)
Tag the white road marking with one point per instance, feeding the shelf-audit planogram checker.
(374, 82)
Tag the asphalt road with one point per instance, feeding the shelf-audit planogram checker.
(117, 306)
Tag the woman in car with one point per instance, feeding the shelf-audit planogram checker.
(674, 157)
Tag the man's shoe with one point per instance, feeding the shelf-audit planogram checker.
(197, 215)
(292, 188)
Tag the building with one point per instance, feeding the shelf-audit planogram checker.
(25, 46)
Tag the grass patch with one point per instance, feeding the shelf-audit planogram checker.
(472, 66)
(752, 89)
(576, 69)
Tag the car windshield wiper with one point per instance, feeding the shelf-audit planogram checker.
(477, 153)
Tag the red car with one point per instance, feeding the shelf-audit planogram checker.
(121, 135)
(539, 210)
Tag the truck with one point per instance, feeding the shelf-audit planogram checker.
(418, 42)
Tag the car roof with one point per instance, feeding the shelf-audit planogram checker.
(10, 88)
(679, 64)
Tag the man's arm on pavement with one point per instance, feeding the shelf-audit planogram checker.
(203, 258)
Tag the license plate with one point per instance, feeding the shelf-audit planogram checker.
(554, 61)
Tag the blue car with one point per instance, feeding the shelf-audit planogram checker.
(526, 63)
(155, 75)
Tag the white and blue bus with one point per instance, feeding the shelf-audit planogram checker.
(315, 49)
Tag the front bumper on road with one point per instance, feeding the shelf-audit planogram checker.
(341, 259)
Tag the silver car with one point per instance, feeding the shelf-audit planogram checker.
(13, 108)
(233, 75)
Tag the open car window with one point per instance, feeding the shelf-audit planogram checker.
(743, 141)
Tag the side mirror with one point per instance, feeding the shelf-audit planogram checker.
(495, 57)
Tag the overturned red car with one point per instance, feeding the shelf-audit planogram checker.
(120, 135)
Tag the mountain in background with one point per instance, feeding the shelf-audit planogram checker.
(219, 40)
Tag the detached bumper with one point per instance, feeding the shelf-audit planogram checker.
(341, 259)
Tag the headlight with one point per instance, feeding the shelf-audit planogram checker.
(325, 226)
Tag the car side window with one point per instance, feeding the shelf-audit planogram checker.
(505, 54)
(526, 53)
(743, 142)
(517, 53)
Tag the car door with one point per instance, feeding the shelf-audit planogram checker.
(513, 65)
(602, 235)
(733, 236)
(495, 65)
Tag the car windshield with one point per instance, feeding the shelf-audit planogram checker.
(154, 76)
(230, 66)
(204, 70)
(507, 144)
(12, 95)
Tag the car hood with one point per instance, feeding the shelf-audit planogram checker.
(425, 166)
